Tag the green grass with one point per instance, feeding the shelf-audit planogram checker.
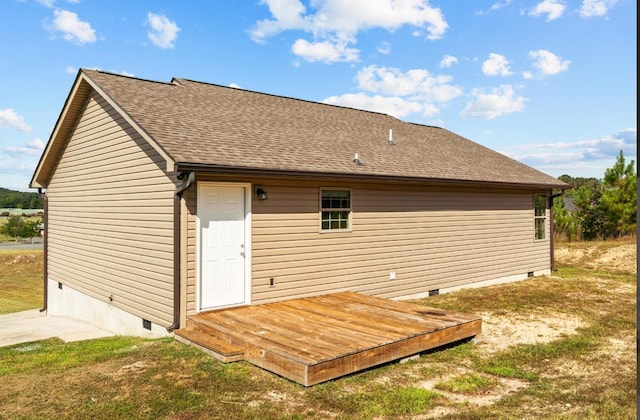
(470, 383)
(21, 278)
(589, 374)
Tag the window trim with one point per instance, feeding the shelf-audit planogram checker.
(537, 217)
(321, 209)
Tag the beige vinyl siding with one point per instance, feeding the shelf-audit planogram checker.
(110, 220)
(431, 238)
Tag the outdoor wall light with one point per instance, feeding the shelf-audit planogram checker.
(261, 193)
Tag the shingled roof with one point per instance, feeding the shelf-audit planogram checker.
(211, 126)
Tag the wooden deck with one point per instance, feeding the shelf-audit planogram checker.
(315, 339)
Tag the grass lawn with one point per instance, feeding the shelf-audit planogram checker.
(20, 280)
(555, 347)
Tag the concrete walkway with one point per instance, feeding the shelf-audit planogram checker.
(33, 325)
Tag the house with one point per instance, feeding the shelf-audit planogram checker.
(164, 200)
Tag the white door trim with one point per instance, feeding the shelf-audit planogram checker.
(247, 241)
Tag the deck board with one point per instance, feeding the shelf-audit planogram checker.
(315, 339)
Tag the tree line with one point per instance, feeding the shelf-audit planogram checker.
(598, 209)
(10, 199)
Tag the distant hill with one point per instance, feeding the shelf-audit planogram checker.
(10, 199)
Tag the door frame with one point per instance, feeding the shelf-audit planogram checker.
(247, 242)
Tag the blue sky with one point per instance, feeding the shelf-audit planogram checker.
(551, 83)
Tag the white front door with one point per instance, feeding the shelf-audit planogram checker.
(221, 214)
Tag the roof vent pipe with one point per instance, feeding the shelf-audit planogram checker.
(390, 136)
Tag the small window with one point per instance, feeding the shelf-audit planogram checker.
(540, 215)
(335, 209)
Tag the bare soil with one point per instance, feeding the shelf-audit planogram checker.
(618, 258)
(501, 332)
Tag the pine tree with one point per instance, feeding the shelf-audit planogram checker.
(619, 199)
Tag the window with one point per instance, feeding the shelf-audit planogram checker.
(540, 215)
(335, 209)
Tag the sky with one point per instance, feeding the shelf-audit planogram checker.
(550, 83)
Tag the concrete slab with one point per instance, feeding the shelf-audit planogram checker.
(33, 325)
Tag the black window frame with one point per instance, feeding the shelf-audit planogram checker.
(335, 209)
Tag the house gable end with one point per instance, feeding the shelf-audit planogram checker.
(110, 218)
(67, 121)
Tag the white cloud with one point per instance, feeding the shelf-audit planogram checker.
(494, 7)
(416, 83)
(8, 118)
(287, 14)
(584, 155)
(394, 106)
(492, 104)
(235, 85)
(163, 32)
(554, 9)
(32, 148)
(47, 3)
(384, 48)
(15, 167)
(398, 93)
(547, 63)
(591, 8)
(325, 51)
(336, 21)
(71, 70)
(527, 75)
(604, 147)
(496, 65)
(72, 28)
(447, 61)
(51, 3)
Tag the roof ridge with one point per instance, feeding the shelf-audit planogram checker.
(426, 125)
(126, 76)
(288, 97)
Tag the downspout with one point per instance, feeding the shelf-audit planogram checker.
(553, 230)
(45, 249)
(187, 181)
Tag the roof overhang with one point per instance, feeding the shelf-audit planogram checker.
(67, 121)
(289, 174)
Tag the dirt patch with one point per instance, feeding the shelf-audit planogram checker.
(615, 355)
(20, 259)
(131, 369)
(488, 396)
(621, 258)
(501, 332)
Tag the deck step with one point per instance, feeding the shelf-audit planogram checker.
(217, 347)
